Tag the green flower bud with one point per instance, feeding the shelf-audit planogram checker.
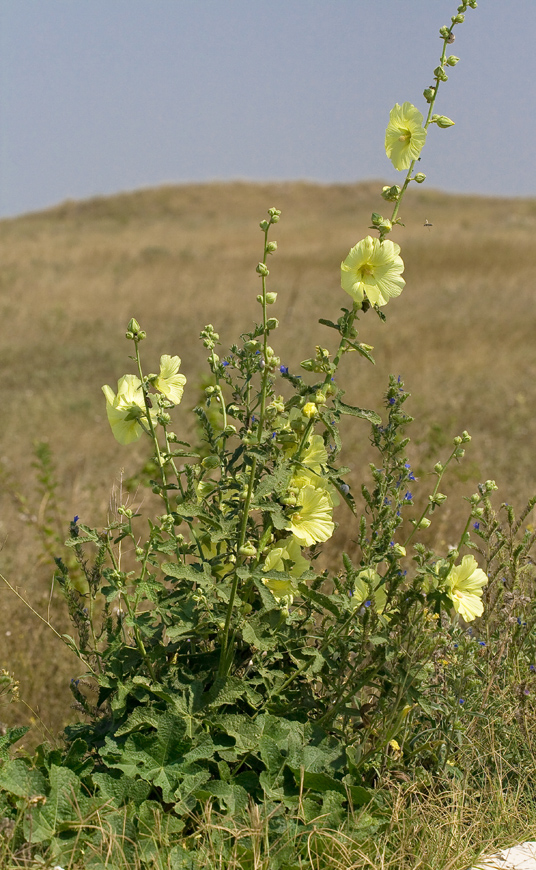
(419, 178)
(452, 60)
(391, 194)
(264, 225)
(465, 436)
(472, 3)
(247, 550)
(229, 429)
(376, 218)
(438, 467)
(444, 31)
(272, 323)
(271, 247)
(458, 19)
(442, 121)
(252, 345)
(262, 270)
(259, 298)
(209, 391)
(385, 226)
(437, 499)
(424, 523)
(271, 298)
(320, 397)
(440, 74)
(428, 94)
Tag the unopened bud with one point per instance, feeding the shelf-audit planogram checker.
(272, 323)
(419, 178)
(264, 225)
(271, 247)
(309, 410)
(452, 60)
(376, 218)
(271, 298)
(248, 549)
(458, 19)
(392, 193)
(444, 31)
(262, 269)
(440, 74)
(442, 121)
(428, 94)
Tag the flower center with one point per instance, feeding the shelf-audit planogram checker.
(366, 270)
(405, 137)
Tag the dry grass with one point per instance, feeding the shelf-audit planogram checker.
(176, 258)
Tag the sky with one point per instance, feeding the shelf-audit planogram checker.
(103, 96)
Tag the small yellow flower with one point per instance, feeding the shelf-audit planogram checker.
(405, 135)
(287, 556)
(373, 269)
(368, 586)
(126, 410)
(312, 522)
(465, 588)
(309, 409)
(169, 381)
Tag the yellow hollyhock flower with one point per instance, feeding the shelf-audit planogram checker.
(169, 381)
(312, 522)
(373, 269)
(465, 588)
(277, 559)
(405, 135)
(126, 410)
(367, 586)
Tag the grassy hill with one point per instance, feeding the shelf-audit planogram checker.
(461, 335)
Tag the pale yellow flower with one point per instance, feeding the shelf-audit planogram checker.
(465, 588)
(405, 135)
(287, 556)
(312, 522)
(126, 410)
(169, 381)
(368, 587)
(373, 269)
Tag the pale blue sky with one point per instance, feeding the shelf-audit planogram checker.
(101, 96)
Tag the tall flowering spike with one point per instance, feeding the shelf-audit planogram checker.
(169, 381)
(373, 269)
(405, 135)
(465, 587)
(126, 410)
(312, 522)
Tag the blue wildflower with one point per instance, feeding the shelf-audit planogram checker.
(283, 370)
(476, 526)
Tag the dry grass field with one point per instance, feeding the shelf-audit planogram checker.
(461, 335)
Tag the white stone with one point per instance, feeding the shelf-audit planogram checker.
(521, 857)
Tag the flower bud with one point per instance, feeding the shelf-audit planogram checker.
(458, 19)
(209, 391)
(264, 225)
(309, 410)
(385, 226)
(419, 178)
(271, 247)
(465, 436)
(320, 397)
(472, 3)
(271, 298)
(272, 323)
(428, 94)
(437, 499)
(452, 60)
(442, 121)
(252, 345)
(438, 467)
(391, 194)
(248, 549)
(424, 523)
(376, 218)
(262, 270)
(399, 550)
(444, 31)
(440, 74)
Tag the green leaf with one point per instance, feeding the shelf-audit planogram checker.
(9, 738)
(321, 782)
(21, 780)
(343, 408)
